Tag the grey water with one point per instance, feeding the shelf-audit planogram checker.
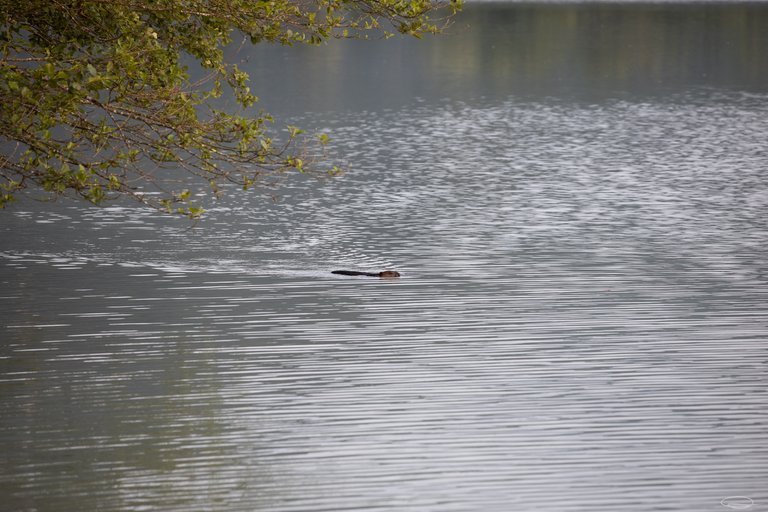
(576, 197)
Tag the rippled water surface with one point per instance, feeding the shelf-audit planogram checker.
(581, 322)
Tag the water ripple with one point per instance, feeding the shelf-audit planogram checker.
(580, 325)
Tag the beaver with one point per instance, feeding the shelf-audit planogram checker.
(387, 274)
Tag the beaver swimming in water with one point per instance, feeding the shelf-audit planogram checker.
(387, 274)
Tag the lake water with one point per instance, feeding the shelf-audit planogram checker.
(576, 197)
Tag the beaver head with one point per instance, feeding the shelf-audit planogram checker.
(389, 274)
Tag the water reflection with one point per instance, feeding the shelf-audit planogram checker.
(581, 312)
(580, 323)
(583, 51)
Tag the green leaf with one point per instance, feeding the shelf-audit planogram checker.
(107, 92)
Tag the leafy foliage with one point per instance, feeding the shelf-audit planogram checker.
(95, 99)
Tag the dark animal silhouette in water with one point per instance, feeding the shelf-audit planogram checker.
(387, 274)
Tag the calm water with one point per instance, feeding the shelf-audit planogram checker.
(576, 197)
